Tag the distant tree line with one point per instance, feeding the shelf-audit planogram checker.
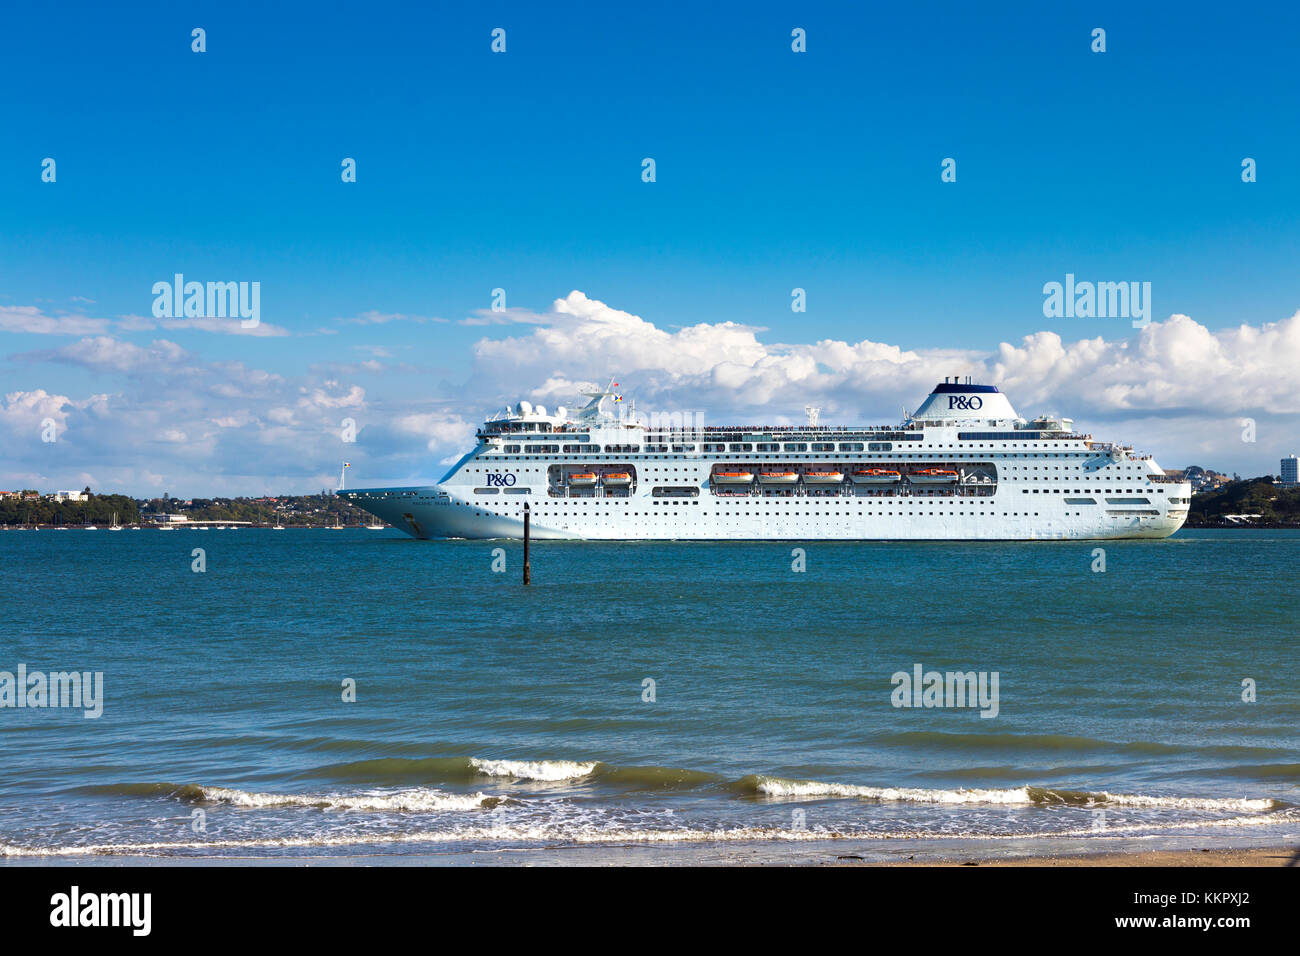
(96, 510)
(1254, 496)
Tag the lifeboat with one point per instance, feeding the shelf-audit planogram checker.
(778, 477)
(932, 476)
(823, 477)
(618, 479)
(733, 477)
(583, 479)
(876, 476)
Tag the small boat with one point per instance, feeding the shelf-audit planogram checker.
(115, 526)
(279, 525)
(823, 477)
(617, 479)
(778, 477)
(876, 476)
(733, 477)
(932, 476)
(583, 479)
(375, 525)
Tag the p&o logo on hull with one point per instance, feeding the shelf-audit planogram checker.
(971, 403)
(496, 480)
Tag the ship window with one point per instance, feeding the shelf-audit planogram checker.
(486, 491)
(796, 446)
(511, 449)
(742, 446)
(823, 446)
(851, 446)
(768, 446)
(518, 491)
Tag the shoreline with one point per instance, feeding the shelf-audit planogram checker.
(1208, 858)
(820, 853)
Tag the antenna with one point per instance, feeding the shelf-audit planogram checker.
(813, 412)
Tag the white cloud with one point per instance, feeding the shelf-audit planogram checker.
(222, 326)
(178, 422)
(373, 317)
(1173, 367)
(31, 320)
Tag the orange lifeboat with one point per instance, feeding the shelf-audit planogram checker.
(733, 477)
(778, 477)
(617, 479)
(823, 477)
(933, 476)
(583, 479)
(876, 476)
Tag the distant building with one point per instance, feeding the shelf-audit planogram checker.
(1289, 476)
(69, 496)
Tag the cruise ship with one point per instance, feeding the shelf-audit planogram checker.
(964, 467)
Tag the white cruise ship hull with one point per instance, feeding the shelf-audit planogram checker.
(431, 512)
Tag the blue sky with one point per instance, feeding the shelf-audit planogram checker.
(522, 171)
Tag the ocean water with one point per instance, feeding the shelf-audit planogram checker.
(491, 718)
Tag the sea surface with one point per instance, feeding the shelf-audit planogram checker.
(675, 696)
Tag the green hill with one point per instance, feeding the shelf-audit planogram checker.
(1254, 496)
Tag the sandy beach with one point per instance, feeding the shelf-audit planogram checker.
(1279, 856)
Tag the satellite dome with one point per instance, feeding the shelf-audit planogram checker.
(562, 412)
(525, 408)
(541, 410)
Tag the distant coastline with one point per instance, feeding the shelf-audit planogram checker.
(83, 509)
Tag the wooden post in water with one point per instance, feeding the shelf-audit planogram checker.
(528, 570)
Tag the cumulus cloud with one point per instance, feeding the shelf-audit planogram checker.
(33, 321)
(1175, 367)
(1175, 388)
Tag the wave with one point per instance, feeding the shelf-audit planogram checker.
(414, 800)
(394, 770)
(547, 770)
(423, 799)
(802, 789)
(1063, 743)
(586, 834)
(777, 787)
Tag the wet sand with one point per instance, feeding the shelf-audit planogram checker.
(1281, 856)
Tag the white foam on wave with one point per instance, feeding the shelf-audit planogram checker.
(549, 770)
(795, 789)
(418, 800)
(594, 834)
(1182, 803)
(777, 787)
